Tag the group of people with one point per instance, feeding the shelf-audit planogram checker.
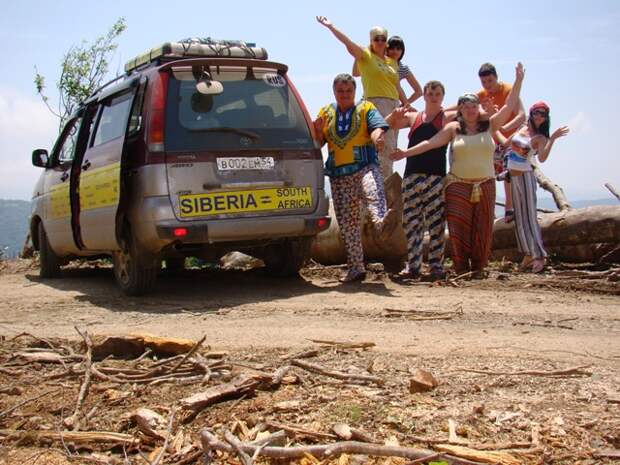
(488, 138)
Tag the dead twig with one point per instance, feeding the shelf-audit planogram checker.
(574, 371)
(73, 421)
(338, 374)
(24, 402)
(344, 345)
(298, 431)
(167, 440)
(211, 442)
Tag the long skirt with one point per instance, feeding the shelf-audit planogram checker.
(470, 224)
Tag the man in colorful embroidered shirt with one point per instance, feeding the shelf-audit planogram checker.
(354, 133)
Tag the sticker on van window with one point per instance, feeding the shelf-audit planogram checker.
(274, 80)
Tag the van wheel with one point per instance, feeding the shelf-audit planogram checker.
(287, 258)
(131, 276)
(49, 265)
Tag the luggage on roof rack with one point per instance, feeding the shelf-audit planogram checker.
(197, 48)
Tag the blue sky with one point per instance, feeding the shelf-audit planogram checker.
(570, 50)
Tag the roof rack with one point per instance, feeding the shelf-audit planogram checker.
(197, 48)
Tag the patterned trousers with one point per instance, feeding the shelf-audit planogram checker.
(385, 107)
(349, 193)
(527, 229)
(470, 225)
(424, 210)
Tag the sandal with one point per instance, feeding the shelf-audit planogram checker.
(538, 265)
(526, 263)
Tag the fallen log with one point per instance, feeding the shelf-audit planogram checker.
(575, 235)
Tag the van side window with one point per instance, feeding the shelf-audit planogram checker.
(113, 119)
(66, 151)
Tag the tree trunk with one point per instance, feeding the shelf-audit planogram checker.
(556, 191)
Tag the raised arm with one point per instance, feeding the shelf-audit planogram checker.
(355, 50)
(400, 118)
(443, 137)
(415, 85)
(498, 119)
(517, 121)
(356, 69)
(543, 152)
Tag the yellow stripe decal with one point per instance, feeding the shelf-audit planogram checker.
(99, 187)
(59, 201)
(248, 201)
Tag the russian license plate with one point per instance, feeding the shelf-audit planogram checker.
(245, 163)
(249, 201)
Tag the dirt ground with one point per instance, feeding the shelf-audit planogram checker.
(567, 317)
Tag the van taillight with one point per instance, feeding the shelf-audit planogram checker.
(158, 113)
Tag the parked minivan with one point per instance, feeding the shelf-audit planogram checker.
(202, 147)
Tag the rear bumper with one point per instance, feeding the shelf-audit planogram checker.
(246, 229)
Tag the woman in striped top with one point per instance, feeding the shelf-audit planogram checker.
(396, 51)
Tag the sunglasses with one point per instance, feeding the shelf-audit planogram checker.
(379, 39)
(540, 113)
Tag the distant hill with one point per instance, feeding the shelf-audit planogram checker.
(14, 216)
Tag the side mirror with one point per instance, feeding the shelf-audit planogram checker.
(40, 158)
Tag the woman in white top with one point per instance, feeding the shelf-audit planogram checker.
(531, 140)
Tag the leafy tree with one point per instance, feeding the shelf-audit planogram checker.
(83, 68)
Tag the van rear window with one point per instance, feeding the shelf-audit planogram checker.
(255, 109)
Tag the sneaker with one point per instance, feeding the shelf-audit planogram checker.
(405, 275)
(353, 276)
(387, 225)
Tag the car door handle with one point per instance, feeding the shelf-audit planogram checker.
(86, 165)
(64, 176)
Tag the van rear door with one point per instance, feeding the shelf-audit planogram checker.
(245, 151)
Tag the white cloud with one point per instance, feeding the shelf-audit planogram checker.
(25, 124)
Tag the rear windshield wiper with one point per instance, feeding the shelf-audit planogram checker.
(250, 134)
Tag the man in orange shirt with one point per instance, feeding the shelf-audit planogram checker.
(492, 97)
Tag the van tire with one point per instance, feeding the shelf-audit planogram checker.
(287, 258)
(49, 265)
(132, 276)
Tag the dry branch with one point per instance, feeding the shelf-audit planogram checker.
(78, 437)
(211, 442)
(239, 386)
(299, 431)
(73, 421)
(612, 190)
(24, 402)
(345, 345)
(566, 372)
(338, 374)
